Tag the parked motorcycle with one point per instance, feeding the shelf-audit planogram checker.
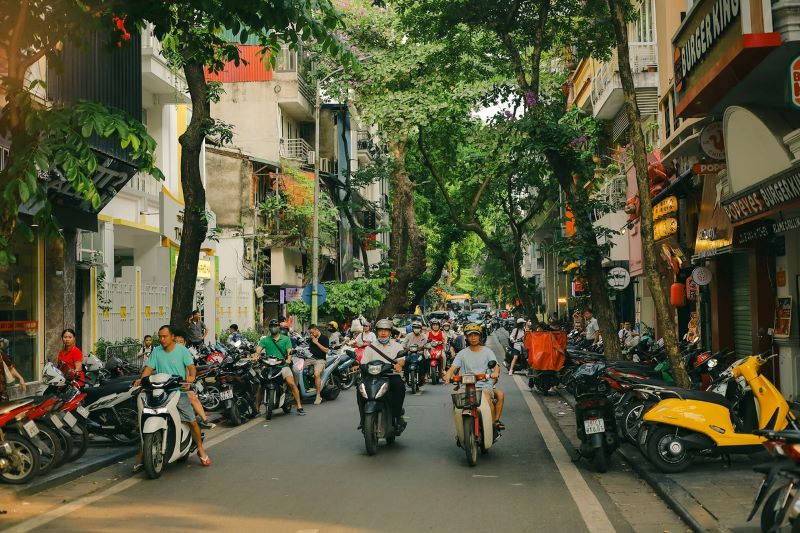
(237, 382)
(473, 416)
(594, 416)
(23, 439)
(112, 410)
(165, 438)
(379, 421)
(783, 472)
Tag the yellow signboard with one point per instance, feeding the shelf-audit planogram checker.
(665, 228)
(123, 312)
(147, 311)
(160, 311)
(204, 269)
(665, 207)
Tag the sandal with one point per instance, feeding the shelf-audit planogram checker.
(205, 461)
(138, 468)
(499, 425)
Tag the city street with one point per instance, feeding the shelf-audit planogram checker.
(312, 474)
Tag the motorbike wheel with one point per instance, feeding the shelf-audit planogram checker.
(666, 452)
(435, 375)
(55, 456)
(541, 386)
(65, 441)
(25, 460)
(129, 429)
(600, 461)
(209, 398)
(371, 433)
(413, 382)
(330, 392)
(632, 421)
(80, 441)
(233, 413)
(153, 455)
(470, 444)
(287, 408)
(349, 382)
(771, 510)
(270, 403)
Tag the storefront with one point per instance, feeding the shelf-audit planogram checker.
(20, 308)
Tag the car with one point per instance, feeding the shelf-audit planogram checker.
(402, 321)
(441, 315)
(481, 307)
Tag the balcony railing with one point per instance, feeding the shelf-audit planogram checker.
(295, 149)
(145, 184)
(643, 58)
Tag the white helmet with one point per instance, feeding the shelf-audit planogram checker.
(384, 323)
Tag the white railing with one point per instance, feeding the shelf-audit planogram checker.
(145, 184)
(643, 58)
(120, 314)
(149, 40)
(296, 149)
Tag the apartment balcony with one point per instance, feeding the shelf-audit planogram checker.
(295, 94)
(166, 84)
(143, 185)
(607, 95)
(296, 150)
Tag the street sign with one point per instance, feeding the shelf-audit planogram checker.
(321, 294)
(701, 275)
(619, 278)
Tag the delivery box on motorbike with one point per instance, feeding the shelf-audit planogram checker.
(546, 349)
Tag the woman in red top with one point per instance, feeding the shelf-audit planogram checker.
(70, 358)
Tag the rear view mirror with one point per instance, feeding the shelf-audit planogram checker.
(492, 364)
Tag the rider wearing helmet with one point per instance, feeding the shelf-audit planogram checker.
(420, 339)
(334, 337)
(516, 340)
(279, 346)
(474, 359)
(436, 340)
(386, 350)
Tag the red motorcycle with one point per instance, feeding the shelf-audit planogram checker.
(435, 351)
(22, 436)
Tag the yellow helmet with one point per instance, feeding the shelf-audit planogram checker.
(333, 324)
(472, 328)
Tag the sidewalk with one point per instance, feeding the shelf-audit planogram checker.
(709, 496)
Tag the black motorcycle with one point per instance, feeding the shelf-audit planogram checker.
(237, 382)
(594, 415)
(414, 378)
(274, 389)
(379, 420)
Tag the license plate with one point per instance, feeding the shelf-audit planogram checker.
(226, 395)
(30, 428)
(253, 373)
(70, 419)
(56, 421)
(594, 426)
(81, 410)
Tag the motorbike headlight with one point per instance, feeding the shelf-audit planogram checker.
(362, 390)
(382, 390)
(374, 370)
(712, 363)
(468, 379)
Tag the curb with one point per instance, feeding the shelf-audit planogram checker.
(67, 473)
(677, 498)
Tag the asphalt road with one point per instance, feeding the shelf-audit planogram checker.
(309, 474)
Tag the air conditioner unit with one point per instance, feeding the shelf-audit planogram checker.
(311, 157)
(324, 164)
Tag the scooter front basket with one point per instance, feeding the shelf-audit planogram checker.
(460, 400)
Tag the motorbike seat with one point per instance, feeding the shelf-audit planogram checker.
(16, 405)
(699, 395)
(112, 387)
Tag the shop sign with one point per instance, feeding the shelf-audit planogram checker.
(619, 278)
(759, 231)
(203, 269)
(712, 140)
(665, 207)
(665, 228)
(794, 82)
(19, 325)
(702, 37)
(701, 276)
(692, 288)
(782, 189)
(702, 169)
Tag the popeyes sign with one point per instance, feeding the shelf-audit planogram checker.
(794, 82)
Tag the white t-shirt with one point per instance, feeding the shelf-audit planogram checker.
(592, 327)
(390, 350)
(517, 336)
(365, 338)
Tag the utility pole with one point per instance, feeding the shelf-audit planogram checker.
(315, 234)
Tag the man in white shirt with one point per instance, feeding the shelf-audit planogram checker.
(592, 331)
(386, 350)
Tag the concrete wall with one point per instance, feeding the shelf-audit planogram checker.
(283, 263)
(253, 111)
(229, 185)
(619, 242)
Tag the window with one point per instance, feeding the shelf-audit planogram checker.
(645, 23)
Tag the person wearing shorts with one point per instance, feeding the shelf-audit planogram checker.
(319, 347)
(279, 346)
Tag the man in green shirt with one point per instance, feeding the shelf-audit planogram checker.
(280, 346)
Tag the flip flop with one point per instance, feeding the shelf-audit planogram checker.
(138, 467)
(205, 461)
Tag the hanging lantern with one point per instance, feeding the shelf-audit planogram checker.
(677, 295)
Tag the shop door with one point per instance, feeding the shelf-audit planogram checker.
(742, 305)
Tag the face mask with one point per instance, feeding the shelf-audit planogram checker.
(384, 341)
(416, 330)
(274, 330)
(331, 329)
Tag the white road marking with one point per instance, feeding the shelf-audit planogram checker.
(479, 475)
(49, 516)
(591, 510)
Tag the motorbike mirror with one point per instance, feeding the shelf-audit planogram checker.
(492, 364)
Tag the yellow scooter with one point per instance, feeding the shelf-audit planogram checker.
(677, 429)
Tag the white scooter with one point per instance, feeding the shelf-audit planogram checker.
(473, 416)
(165, 439)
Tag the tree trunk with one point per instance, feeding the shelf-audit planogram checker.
(664, 314)
(422, 286)
(195, 223)
(407, 244)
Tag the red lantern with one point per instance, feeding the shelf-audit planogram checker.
(677, 295)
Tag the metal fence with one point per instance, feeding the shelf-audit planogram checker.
(127, 352)
(116, 313)
(155, 302)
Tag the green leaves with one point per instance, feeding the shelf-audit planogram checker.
(346, 299)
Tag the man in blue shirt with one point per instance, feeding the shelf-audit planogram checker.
(176, 360)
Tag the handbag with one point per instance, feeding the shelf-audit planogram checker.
(9, 376)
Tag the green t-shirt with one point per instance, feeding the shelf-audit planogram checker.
(284, 344)
(173, 363)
